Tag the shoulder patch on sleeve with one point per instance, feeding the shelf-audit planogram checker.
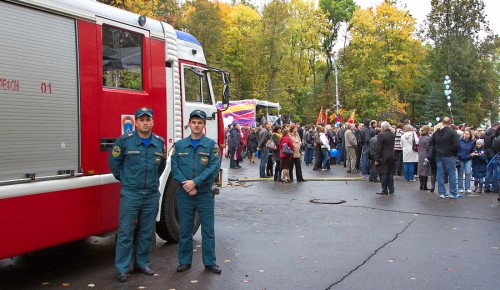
(116, 151)
(216, 151)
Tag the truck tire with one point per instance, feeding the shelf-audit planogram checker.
(168, 226)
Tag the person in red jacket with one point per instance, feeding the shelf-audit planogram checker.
(286, 160)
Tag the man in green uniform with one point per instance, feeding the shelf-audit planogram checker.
(137, 161)
(195, 164)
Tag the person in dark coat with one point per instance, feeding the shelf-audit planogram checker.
(357, 133)
(446, 145)
(252, 143)
(234, 144)
(496, 149)
(424, 166)
(371, 156)
(479, 162)
(341, 146)
(264, 136)
(365, 137)
(384, 158)
(318, 155)
(276, 137)
(489, 136)
(467, 146)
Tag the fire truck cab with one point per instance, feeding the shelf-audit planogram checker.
(72, 73)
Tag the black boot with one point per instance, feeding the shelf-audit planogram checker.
(425, 182)
(277, 174)
(433, 183)
(421, 180)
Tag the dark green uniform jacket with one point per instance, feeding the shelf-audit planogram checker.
(200, 165)
(137, 167)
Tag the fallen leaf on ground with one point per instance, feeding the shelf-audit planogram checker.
(246, 281)
(390, 261)
(45, 283)
(155, 274)
(227, 261)
(65, 284)
(261, 271)
(141, 287)
(413, 278)
(91, 285)
(194, 281)
(260, 209)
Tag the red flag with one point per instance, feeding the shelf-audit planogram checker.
(320, 116)
(339, 118)
(326, 117)
(351, 117)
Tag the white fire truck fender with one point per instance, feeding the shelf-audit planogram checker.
(31, 188)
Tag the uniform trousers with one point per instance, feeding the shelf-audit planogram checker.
(135, 206)
(187, 206)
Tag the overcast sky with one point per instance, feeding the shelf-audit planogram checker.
(420, 8)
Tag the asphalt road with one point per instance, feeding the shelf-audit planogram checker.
(271, 236)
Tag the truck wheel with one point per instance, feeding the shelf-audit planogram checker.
(168, 226)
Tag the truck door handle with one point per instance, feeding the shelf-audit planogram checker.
(107, 144)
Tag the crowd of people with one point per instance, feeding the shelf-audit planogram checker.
(447, 153)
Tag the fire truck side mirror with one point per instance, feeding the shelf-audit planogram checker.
(226, 79)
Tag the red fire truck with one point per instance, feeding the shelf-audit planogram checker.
(72, 73)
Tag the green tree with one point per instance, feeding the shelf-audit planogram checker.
(203, 20)
(239, 49)
(455, 28)
(274, 48)
(306, 25)
(339, 12)
(382, 63)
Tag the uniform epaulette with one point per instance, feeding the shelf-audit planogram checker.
(159, 138)
(127, 135)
